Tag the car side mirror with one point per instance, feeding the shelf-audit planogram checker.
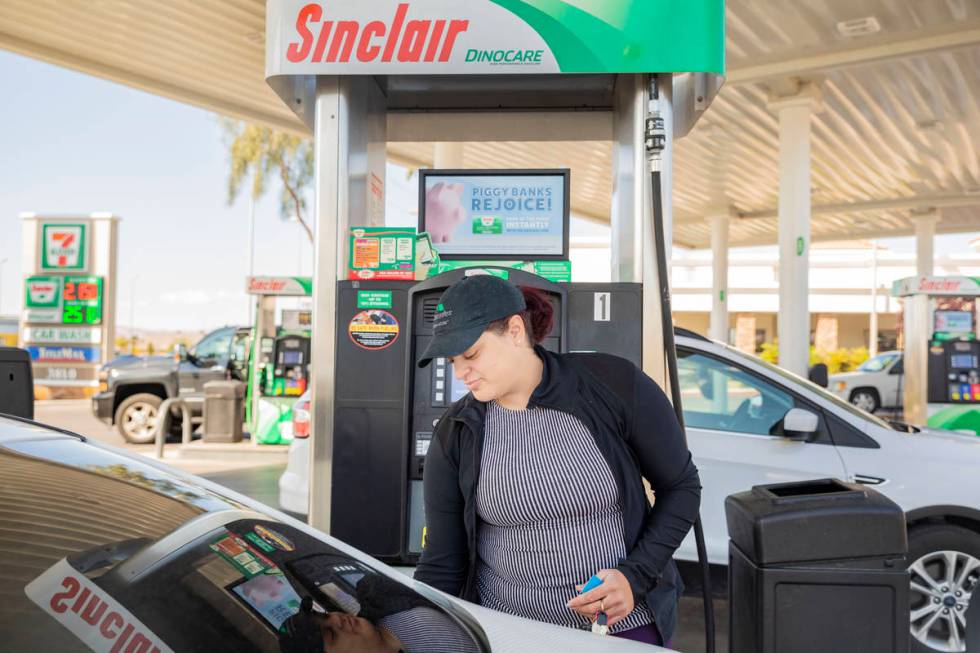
(800, 424)
(818, 374)
(707, 389)
(180, 353)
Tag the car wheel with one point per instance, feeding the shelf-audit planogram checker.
(136, 417)
(945, 571)
(865, 399)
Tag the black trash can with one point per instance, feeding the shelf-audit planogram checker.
(224, 411)
(817, 566)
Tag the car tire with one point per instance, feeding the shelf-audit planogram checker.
(866, 399)
(934, 552)
(136, 417)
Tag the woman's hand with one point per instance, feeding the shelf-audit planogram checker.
(614, 597)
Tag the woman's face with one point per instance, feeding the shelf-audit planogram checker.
(487, 368)
(345, 633)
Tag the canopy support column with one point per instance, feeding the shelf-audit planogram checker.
(718, 328)
(925, 233)
(794, 226)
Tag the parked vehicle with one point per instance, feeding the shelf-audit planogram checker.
(131, 389)
(294, 484)
(876, 384)
(104, 550)
(751, 423)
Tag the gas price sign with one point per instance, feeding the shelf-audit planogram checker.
(82, 300)
(64, 300)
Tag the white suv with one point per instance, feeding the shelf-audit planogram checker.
(736, 407)
(877, 383)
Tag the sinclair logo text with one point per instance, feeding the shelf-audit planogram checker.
(398, 39)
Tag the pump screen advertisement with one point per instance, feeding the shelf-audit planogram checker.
(496, 216)
(954, 321)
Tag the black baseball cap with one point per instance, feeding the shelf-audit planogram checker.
(466, 309)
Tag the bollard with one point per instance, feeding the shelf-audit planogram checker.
(163, 424)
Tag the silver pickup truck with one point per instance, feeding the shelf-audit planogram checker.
(132, 388)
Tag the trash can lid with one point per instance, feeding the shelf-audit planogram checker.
(812, 521)
(224, 389)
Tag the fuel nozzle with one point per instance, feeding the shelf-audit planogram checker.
(655, 132)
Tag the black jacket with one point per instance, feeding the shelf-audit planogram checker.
(636, 430)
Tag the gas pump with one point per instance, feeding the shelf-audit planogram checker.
(279, 369)
(436, 72)
(287, 372)
(942, 351)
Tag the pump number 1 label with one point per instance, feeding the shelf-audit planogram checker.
(602, 306)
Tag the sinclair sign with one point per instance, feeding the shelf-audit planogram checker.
(502, 37)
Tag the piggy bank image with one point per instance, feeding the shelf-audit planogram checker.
(443, 210)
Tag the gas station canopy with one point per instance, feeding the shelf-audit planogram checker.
(895, 134)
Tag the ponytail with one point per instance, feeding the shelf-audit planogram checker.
(538, 317)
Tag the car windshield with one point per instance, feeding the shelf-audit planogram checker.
(878, 363)
(811, 386)
(106, 557)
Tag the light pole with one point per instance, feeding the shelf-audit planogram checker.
(2, 261)
(251, 254)
(132, 315)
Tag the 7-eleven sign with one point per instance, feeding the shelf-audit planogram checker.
(63, 246)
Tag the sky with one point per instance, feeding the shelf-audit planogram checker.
(72, 143)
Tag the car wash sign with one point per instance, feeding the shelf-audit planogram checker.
(487, 37)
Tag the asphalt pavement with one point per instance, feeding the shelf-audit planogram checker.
(259, 480)
(255, 476)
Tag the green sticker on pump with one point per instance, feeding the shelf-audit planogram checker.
(374, 299)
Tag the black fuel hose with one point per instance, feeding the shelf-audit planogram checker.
(670, 353)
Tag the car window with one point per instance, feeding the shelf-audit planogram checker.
(113, 557)
(799, 381)
(213, 348)
(720, 396)
(878, 363)
(239, 353)
(898, 368)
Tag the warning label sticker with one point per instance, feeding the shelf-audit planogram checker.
(373, 329)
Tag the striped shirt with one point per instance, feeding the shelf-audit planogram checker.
(549, 516)
(425, 630)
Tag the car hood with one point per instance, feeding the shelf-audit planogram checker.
(847, 376)
(510, 633)
(946, 435)
(139, 362)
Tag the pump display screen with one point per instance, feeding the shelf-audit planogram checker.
(292, 358)
(954, 321)
(962, 361)
(496, 214)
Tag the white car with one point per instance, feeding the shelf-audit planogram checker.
(105, 550)
(294, 484)
(735, 405)
(877, 383)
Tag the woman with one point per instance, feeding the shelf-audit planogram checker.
(533, 482)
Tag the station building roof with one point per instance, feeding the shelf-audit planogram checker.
(896, 134)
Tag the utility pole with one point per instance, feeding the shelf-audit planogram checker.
(2, 261)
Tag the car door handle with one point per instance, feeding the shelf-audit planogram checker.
(869, 480)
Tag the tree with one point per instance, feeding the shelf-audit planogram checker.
(259, 152)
